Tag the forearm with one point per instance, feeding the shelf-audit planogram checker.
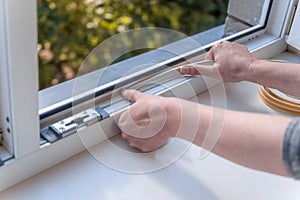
(282, 76)
(252, 140)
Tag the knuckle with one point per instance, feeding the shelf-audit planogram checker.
(136, 94)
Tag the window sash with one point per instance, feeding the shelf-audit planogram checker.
(20, 67)
(108, 87)
(294, 38)
(4, 99)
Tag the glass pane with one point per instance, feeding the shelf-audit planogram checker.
(69, 30)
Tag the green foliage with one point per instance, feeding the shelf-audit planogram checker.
(69, 30)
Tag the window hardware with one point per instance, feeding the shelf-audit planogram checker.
(70, 125)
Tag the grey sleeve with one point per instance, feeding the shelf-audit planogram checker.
(291, 148)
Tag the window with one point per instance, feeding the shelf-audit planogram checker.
(69, 30)
(22, 104)
(236, 26)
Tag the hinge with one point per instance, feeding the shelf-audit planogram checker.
(70, 125)
(291, 20)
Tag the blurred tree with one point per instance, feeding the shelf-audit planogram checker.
(69, 30)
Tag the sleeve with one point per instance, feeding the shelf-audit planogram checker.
(291, 148)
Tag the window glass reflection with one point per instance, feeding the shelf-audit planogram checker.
(69, 30)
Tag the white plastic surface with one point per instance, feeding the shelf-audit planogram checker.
(294, 36)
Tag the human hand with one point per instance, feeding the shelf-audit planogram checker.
(150, 121)
(231, 63)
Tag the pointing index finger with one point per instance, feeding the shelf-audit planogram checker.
(131, 94)
(196, 68)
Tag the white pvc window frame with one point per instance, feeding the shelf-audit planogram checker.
(294, 35)
(19, 76)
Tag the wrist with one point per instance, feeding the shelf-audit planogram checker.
(252, 70)
(173, 112)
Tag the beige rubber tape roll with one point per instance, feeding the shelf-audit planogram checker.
(279, 101)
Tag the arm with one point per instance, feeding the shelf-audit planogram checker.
(282, 76)
(234, 63)
(252, 140)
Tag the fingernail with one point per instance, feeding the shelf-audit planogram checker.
(181, 69)
(184, 69)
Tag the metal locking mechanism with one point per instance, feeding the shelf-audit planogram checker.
(72, 124)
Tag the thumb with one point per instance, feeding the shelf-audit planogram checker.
(205, 67)
(131, 95)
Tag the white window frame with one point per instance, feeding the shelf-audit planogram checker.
(19, 62)
(294, 36)
(18, 40)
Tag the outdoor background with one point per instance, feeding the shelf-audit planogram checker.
(69, 30)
